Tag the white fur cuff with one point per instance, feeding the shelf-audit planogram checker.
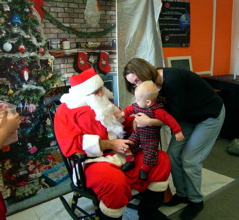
(113, 213)
(91, 145)
(158, 186)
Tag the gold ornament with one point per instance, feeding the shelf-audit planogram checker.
(10, 91)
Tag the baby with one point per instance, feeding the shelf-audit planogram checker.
(147, 138)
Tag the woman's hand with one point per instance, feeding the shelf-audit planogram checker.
(117, 145)
(143, 120)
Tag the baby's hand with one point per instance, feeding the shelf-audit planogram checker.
(179, 136)
(118, 115)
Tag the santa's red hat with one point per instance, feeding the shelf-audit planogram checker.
(82, 85)
(86, 82)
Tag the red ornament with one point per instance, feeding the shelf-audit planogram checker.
(22, 183)
(41, 50)
(22, 48)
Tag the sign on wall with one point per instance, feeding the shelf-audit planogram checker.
(174, 23)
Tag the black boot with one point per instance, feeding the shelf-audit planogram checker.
(176, 200)
(128, 166)
(191, 211)
(105, 217)
(148, 206)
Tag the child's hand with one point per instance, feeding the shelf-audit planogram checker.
(3, 106)
(118, 115)
(10, 124)
(179, 136)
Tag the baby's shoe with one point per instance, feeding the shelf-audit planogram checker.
(128, 166)
(143, 175)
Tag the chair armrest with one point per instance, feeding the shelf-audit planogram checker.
(77, 170)
(82, 157)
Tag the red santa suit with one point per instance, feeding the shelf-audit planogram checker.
(79, 128)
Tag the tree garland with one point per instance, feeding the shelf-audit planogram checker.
(71, 30)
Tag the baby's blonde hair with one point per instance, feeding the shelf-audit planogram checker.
(148, 90)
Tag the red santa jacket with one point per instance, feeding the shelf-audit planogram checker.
(71, 125)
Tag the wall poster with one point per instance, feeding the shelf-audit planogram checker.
(174, 23)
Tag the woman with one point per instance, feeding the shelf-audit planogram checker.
(199, 111)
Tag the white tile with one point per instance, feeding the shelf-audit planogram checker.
(28, 214)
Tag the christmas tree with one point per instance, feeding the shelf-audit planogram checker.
(26, 73)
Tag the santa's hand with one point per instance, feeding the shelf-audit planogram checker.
(117, 145)
(121, 145)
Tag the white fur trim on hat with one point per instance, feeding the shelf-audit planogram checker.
(89, 86)
(113, 213)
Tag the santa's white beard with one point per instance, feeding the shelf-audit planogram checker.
(104, 111)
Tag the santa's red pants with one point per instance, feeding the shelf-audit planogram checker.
(113, 186)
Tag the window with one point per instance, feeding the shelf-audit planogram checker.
(181, 62)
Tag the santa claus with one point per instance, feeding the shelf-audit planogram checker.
(85, 123)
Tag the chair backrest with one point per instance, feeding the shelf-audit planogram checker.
(51, 101)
